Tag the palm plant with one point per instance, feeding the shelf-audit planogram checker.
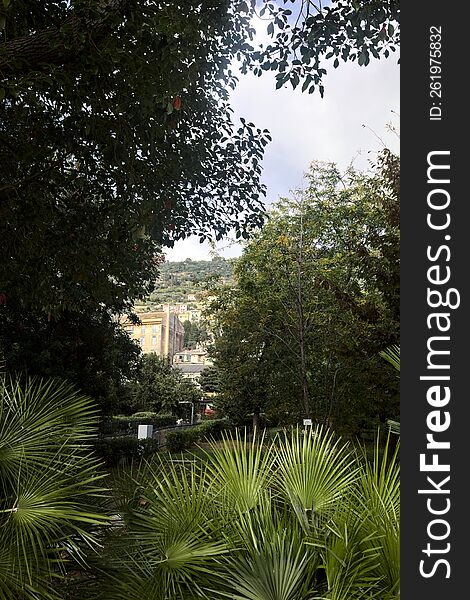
(49, 485)
(315, 473)
(303, 518)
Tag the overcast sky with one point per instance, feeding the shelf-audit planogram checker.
(348, 124)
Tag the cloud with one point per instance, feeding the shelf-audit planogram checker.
(348, 124)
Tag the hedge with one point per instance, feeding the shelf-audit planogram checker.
(114, 451)
(181, 440)
(124, 424)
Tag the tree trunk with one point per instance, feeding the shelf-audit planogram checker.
(56, 45)
(302, 327)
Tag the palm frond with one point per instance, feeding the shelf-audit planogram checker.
(240, 469)
(275, 571)
(378, 500)
(315, 472)
(349, 562)
(49, 483)
(392, 355)
(172, 529)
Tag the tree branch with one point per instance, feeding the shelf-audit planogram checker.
(58, 45)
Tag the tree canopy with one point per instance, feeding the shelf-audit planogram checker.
(117, 136)
(317, 299)
(160, 387)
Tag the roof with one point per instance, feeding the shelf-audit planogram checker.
(190, 367)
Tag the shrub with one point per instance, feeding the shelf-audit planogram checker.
(127, 424)
(180, 440)
(213, 428)
(114, 451)
(158, 420)
(311, 510)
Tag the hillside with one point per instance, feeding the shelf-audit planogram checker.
(182, 282)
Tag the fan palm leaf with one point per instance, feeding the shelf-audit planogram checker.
(240, 469)
(315, 472)
(49, 482)
(378, 499)
(173, 529)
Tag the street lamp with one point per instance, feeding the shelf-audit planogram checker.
(192, 408)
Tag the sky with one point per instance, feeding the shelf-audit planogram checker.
(348, 125)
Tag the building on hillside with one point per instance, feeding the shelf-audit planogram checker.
(159, 331)
(190, 370)
(198, 356)
(192, 362)
(184, 312)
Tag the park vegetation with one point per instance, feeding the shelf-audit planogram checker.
(116, 140)
(316, 301)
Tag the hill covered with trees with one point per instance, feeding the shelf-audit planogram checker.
(180, 282)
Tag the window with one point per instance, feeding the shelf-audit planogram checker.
(154, 340)
(143, 328)
(131, 329)
(142, 341)
(154, 329)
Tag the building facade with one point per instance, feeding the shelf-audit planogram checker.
(159, 331)
(191, 362)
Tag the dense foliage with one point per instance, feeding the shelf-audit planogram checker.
(50, 486)
(209, 380)
(317, 299)
(304, 517)
(87, 348)
(160, 387)
(178, 281)
(195, 334)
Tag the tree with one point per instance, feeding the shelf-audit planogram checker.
(159, 387)
(194, 334)
(88, 349)
(98, 101)
(317, 296)
(307, 38)
(101, 100)
(96, 170)
(209, 380)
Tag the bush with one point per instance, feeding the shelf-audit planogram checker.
(114, 451)
(181, 440)
(157, 420)
(125, 424)
(213, 428)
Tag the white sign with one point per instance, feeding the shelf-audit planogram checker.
(144, 431)
(307, 421)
